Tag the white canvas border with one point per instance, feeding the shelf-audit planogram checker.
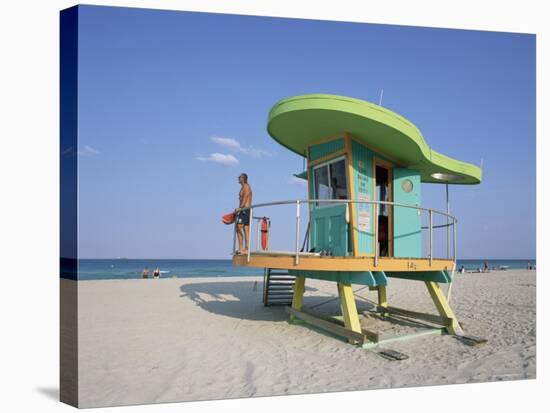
(29, 142)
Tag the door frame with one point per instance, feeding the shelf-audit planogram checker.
(389, 167)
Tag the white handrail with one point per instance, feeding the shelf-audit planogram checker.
(430, 236)
(453, 222)
(343, 201)
(247, 238)
(297, 258)
(376, 243)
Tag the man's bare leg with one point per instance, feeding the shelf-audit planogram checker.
(240, 237)
(247, 237)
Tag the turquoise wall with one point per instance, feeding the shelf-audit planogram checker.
(325, 149)
(328, 227)
(362, 159)
(407, 236)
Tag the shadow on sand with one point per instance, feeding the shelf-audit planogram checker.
(243, 300)
(239, 299)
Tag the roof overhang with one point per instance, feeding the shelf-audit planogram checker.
(298, 121)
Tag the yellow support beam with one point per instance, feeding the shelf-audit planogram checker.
(349, 309)
(443, 307)
(298, 295)
(382, 296)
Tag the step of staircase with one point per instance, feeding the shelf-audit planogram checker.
(278, 288)
(275, 286)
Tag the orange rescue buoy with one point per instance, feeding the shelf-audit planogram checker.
(228, 219)
(265, 233)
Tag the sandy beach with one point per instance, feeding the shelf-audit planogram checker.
(150, 341)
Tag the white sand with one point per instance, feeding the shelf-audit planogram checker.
(149, 341)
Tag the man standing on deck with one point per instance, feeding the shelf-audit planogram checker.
(243, 217)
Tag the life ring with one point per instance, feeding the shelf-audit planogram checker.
(265, 233)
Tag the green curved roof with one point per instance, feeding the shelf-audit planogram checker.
(297, 121)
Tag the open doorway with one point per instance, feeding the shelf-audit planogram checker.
(383, 182)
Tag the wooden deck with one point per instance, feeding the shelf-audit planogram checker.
(361, 263)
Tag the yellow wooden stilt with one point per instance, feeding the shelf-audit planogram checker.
(443, 307)
(349, 309)
(298, 295)
(382, 296)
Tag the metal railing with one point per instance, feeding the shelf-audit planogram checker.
(451, 222)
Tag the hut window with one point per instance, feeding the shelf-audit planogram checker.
(330, 181)
(322, 188)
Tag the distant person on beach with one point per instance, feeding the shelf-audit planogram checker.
(243, 217)
(156, 273)
(485, 266)
(462, 269)
(529, 266)
(145, 273)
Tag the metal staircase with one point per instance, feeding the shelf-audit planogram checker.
(278, 287)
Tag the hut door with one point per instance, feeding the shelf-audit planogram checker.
(329, 228)
(407, 234)
(383, 182)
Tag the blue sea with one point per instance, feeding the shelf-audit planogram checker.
(107, 269)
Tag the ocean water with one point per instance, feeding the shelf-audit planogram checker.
(106, 269)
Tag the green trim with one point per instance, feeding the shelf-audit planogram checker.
(436, 276)
(297, 121)
(372, 278)
(301, 175)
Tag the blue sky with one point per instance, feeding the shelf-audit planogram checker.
(173, 106)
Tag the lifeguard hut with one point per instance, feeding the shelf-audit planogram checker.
(365, 222)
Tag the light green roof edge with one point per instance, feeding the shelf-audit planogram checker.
(296, 121)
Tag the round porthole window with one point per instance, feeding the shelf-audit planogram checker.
(407, 185)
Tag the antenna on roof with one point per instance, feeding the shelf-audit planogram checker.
(381, 96)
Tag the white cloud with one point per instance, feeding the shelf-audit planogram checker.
(293, 180)
(235, 145)
(219, 158)
(227, 142)
(88, 150)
